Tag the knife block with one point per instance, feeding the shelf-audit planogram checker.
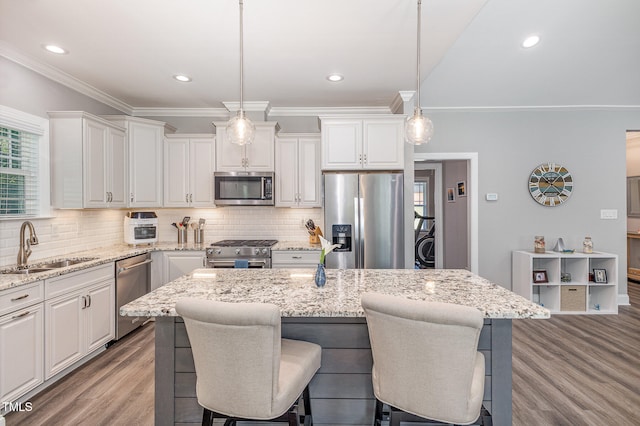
(315, 238)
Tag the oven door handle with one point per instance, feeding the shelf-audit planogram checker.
(213, 263)
(135, 265)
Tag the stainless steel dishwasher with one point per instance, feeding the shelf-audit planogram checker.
(133, 280)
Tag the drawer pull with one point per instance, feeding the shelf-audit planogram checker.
(296, 257)
(24, 296)
(24, 314)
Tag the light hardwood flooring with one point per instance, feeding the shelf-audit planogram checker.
(568, 370)
(578, 369)
(115, 388)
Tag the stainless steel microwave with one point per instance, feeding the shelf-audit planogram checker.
(243, 188)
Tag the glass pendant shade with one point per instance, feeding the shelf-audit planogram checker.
(240, 130)
(418, 129)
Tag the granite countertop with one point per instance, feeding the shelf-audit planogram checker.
(294, 291)
(96, 257)
(296, 245)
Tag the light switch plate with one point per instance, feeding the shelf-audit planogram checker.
(492, 196)
(608, 214)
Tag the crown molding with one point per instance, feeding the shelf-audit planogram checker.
(316, 111)
(221, 113)
(252, 106)
(63, 78)
(514, 108)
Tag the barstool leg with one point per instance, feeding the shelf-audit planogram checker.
(308, 418)
(377, 420)
(207, 418)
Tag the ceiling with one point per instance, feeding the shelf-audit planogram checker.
(127, 51)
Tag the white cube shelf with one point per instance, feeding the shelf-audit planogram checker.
(601, 298)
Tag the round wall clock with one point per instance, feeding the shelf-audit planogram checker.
(550, 184)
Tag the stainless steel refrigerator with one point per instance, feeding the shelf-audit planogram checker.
(364, 213)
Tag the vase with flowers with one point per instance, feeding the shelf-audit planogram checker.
(321, 275)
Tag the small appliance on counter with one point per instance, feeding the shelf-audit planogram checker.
(140, 228)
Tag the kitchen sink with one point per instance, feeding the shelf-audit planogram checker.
(44, 267)
(25, 271)
(63, 263)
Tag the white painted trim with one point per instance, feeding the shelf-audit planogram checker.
(506, 108)
(219, 113)
(623, 299)
(63, 78)
(316, 111)
(472, 195)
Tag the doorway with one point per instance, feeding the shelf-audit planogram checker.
(455, 192)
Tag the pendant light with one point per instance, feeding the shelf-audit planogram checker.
(240, 130)
(418, 129)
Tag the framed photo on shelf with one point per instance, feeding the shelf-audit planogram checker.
(540, 276)
(462, 189)
(600, 275)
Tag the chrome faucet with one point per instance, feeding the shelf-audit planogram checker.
(25, 246)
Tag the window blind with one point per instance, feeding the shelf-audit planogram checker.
(18, 173)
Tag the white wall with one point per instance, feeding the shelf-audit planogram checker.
(30, 92)
(510, 144)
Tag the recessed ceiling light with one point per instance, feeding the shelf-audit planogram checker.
(182, 78)
(55, 49)
(530, 41)
(335, 77)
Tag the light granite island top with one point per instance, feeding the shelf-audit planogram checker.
(331, 316)
(294, 291)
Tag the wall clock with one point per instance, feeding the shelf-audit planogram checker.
(550, 184)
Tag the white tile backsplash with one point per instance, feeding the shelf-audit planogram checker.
(74, 230)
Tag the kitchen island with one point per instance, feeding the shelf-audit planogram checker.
(332, 316)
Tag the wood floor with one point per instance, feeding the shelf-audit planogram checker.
(578, 369)
(568, 370)
(115, 388)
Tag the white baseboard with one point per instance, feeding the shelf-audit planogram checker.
(623, 299)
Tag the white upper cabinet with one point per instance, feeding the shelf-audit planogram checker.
(88, 161)
(257, 156)
(189, 162)
(145, 139)
(362, 142)
(297, 172)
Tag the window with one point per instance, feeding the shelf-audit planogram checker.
(18, 173)
(420, 201)
(22, 168)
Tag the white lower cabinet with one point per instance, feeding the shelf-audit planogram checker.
(179, 263)
(79, 316)
(295, 258)
(21, 351)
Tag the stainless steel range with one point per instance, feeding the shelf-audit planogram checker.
(247, 253)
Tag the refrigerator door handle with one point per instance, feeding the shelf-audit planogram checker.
(356, 231)
(360, 227)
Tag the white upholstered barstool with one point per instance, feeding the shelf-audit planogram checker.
(244, 370)
(425, 358)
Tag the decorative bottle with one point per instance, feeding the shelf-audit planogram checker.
(587, 245)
